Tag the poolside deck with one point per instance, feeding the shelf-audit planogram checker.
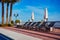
(39, 35)
(16, 35)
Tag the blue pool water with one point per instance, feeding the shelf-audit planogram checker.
(4, 37)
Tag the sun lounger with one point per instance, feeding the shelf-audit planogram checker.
(28, 25)
(34, 27)
(23, 26)
(31, 26)
(42, 26)
(50, 26)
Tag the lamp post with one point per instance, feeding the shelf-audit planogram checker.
(16, 15)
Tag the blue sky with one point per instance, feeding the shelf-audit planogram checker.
(25, 7)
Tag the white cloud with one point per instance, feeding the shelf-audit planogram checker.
(25, 13)
(35, 9)
(16, 11)
(54, 16)
(29, 9)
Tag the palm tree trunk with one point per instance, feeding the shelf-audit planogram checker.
(2, 13)
(7, 13)
(10, 18)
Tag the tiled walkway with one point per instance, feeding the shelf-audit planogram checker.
(17, 36)
(40, 35)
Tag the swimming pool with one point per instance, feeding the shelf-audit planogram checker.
(4, 37)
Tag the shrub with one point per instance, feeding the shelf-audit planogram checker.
(10, 24)
(17, 21)
(0, 24)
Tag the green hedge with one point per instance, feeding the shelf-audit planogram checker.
(0, 24)
(10, 24)
(17, 21)
(6, 25)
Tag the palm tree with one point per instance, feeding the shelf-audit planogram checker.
(7, 13)
(10, 12)
(11, 4)
(7, 1)
(2, 1)
(2, 13)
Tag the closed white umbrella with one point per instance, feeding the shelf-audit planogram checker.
(32, 16)
(46, 15)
